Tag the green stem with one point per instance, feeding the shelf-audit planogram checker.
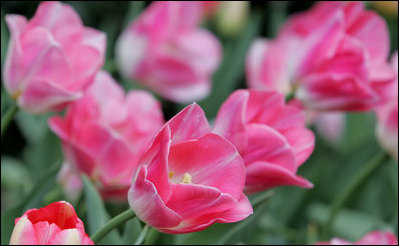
(142, 235)
(152, 236)
(352, 186)
(112, 224)
(8, 117)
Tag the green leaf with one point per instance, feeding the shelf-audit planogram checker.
(4, 39)
(32, 200)
(350, 224)
(33, 127)
(97, 216)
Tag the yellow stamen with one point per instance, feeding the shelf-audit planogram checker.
(171, 174)
(16, 95)
(186, 178)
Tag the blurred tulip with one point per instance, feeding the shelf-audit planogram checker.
(332, 57)
(387, 114)
(166, 51)
(373, 238)
(232, 16)
(54, 224)
(270, 136)
(104, 133)
(52, 58)
(189, 178)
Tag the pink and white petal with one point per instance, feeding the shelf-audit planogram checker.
(23, 233)
(156, 160)
(267, 144)
(320, 45)
(13, 62)
(70, 237)
(62, 21)
(263, 106)
(336, 92)
(211, 161)
(302, 142)
(147, 204)
(231, 119)
(372, 31)
(40, 96)
(331, 126)
(201, 48)
(95, 39)
(241, 210)
(263, 176)
(188, 124)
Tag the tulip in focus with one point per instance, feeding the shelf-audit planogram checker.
(373, 238)
(189, 178)
(103, 135)
(331, 57)
(387, 114)
(52, 58)
(166, 51)
(270, 136)
(54, 224)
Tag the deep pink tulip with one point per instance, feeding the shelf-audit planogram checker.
(105, 132)
(373, 238)
(166, 51)
(387, 128)
(52, 58)
(189, 178)
(54, 224)
(270, 136)
(332, 57)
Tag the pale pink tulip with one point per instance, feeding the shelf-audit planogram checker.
(104, 133)
(54, 224)
(270, 136)
(387, 128)
(189, 178)
(166, 51)
(332, 57)
(52, 58)
(372, 238)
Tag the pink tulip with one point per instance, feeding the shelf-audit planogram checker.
(269, 135)
(104, 133)
(54, 224)
(166, 51)
(387, 128)
(189, 178)
(373, 238)
(52, 58)
(332, 57)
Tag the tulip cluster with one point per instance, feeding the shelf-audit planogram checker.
(184, 175)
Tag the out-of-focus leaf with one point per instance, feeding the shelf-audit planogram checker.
(132, 231)
(350, 224)
(133, 11)
(96, 214)
(33, 127)
(14, 174)
(32, 200)
(4, 39)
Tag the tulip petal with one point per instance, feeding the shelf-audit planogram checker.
(263, 175)
(23, 233)
(267, 144)
(211, 161)
(148, 205)
(190, 123)
(230, 120)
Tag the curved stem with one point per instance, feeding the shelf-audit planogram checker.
(151, 236)
(8, 117)
(352, 186)
(112, 224)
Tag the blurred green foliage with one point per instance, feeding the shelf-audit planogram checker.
(30, 153)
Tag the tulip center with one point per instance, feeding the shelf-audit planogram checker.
(186, 178)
